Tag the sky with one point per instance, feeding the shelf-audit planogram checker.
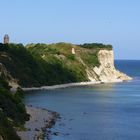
(115, 22)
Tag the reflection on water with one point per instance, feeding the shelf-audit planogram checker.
(103, 88)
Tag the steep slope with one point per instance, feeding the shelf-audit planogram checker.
(12, 112)
(32, 70)
(7, 77)
(50, 64)
(20, 64)
(92, 62)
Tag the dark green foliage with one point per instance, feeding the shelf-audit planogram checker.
(21, 65)
(4, 84)
(13, 107)
(96, 46)
(12, 111)
(6, 129)
(19, 94)
(31, 70)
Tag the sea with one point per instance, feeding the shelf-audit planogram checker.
(95, 112)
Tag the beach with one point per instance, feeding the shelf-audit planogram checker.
(43, 119)
(40, 121)
(69, 85)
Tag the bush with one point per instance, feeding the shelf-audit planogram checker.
(71, 57)
(96, 46)
(6, 129)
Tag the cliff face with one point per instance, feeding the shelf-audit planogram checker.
(52, 64)
(106, 71)
(87, 62)
(7, 77)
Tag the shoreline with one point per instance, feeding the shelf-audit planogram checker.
(40, 121)
(70, 85)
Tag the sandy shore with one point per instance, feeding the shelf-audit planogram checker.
(68, 85)
(40, 121)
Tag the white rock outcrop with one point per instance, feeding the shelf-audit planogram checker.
(1, 137)
(7, 76)
(106, 72)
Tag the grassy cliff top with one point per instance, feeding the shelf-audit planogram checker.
(62, 51)
(87, 53)
(66, 47)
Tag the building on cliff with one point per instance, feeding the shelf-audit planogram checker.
(6, 39)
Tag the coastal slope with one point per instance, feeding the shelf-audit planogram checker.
(88, 62)
(37, 65)
(47, 66)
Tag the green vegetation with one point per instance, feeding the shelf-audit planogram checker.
(12, 106)
(6, 129)
(12, 111)
(90, 58)
(21, 64)
(38, 65)
(49, 64)
(96, 46)
(60, 55)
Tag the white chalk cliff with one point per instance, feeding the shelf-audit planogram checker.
(106, 71)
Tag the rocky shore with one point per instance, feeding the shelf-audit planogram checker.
(40, 121)
(70, 85)
(61, 86)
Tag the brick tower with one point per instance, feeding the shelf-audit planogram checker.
(6, 39)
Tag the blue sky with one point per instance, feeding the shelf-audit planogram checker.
(115, 22)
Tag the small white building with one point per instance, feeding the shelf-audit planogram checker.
(73, 51)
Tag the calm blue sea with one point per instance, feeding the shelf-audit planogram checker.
(98, 112)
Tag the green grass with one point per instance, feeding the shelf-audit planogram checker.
(90, 59)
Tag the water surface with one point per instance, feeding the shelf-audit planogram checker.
(98, 112)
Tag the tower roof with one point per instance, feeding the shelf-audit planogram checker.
(6, 36)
